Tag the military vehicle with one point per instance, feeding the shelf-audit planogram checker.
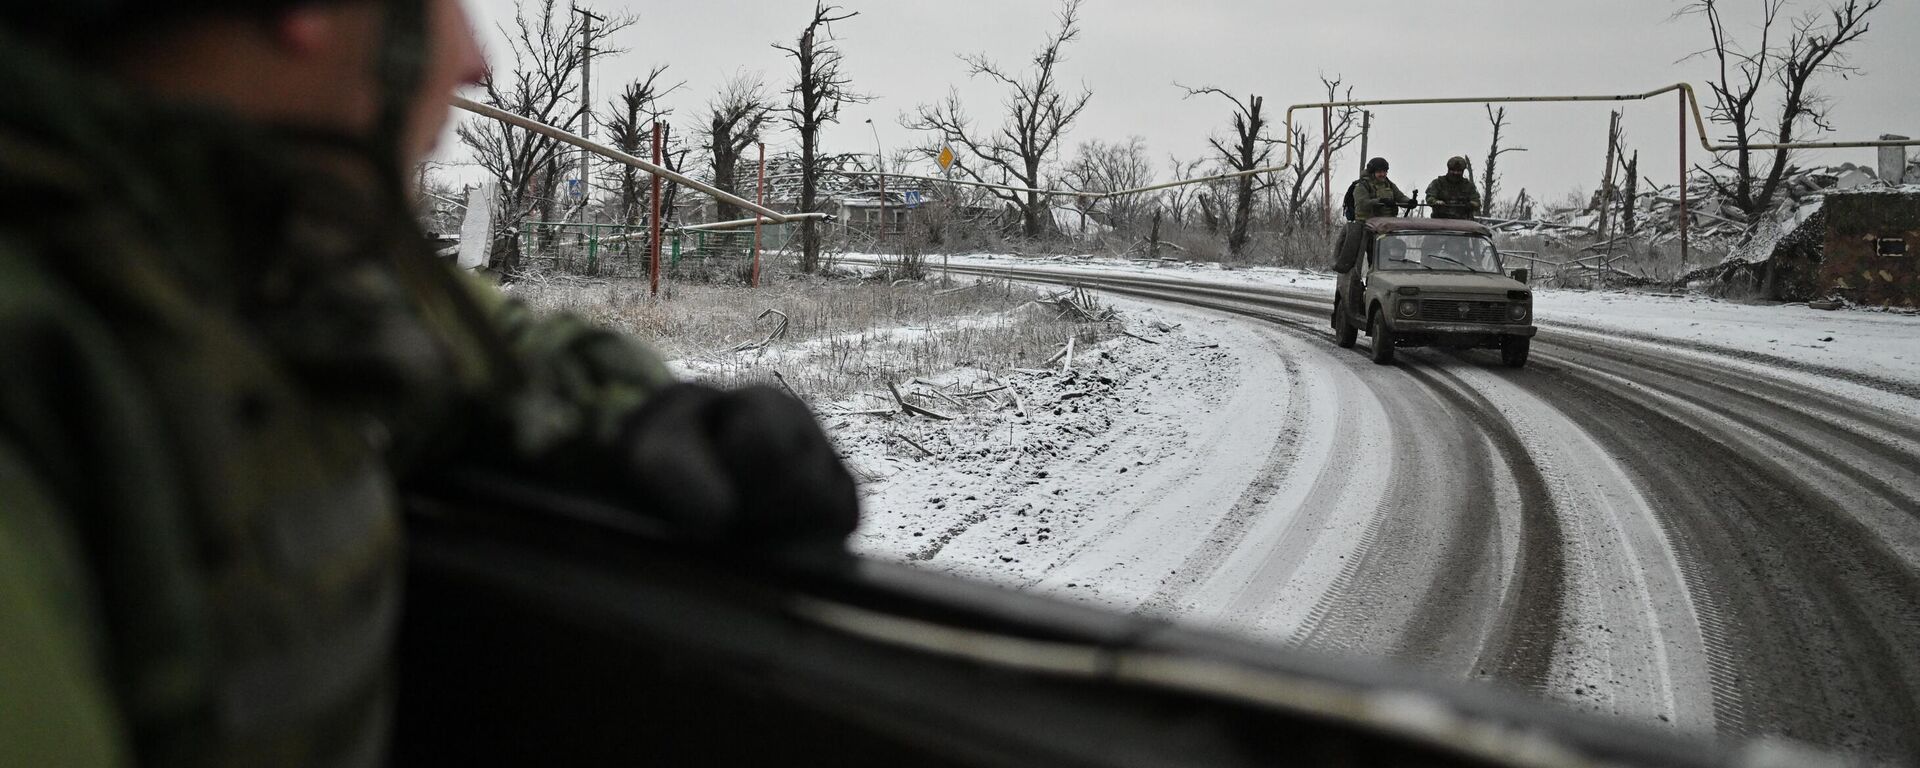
(1433, 282)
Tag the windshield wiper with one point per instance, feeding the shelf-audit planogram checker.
(1411, 261)
(1462, 264)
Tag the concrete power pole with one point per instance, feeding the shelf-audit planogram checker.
(586, 105)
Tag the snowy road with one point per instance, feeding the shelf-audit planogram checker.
(1630, 526)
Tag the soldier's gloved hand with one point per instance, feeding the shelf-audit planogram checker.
(749, 467)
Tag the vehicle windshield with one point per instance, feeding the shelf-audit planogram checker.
(1438, 251)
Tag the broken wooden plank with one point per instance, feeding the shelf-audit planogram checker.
(916, 446)
(1060, 354)
(915, 410)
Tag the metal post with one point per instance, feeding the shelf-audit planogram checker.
(880, 164)
(755, 280)
(1366, 134)
(586, 105)
(1684, 248)
(1326, 162)
(654, 244)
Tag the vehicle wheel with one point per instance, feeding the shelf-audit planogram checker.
(1344, 334)
(1514, 352)
(1382, 340)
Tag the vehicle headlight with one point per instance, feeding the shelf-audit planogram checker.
(1518, 311)
(1409, 309)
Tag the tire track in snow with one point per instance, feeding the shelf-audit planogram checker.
(1809, 621)
(1521, 648)
(1282, 465)
(1805, 615)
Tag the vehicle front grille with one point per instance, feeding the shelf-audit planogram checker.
(1456, 311)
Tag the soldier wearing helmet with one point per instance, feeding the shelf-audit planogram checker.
(231, 352)
(1376, 195)
(1454, 196)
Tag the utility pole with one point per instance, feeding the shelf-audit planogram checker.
(1366, 131)
(586, 104)
(880, 162)
(1606, 198)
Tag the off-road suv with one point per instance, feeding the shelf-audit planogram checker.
(1433, 282)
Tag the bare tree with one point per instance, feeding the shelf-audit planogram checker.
(1490, 179)
(1180, 202)
(1815, 45)
(1249, 148)
(547, 55)
(1630, 197)
(735, 120)
(1100, 167)
(546, 52)
(1303, 173)
(814, 100)
(1039, 111)
(629, 125)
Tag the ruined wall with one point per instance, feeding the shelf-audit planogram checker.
(1873, 248)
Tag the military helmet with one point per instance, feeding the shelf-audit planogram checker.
(1457, 164)
(1376, 165)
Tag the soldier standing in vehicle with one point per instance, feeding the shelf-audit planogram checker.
(232, 352)
(1376, 195)
(1454, 196)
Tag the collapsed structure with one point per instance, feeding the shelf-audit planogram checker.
(1836, 233)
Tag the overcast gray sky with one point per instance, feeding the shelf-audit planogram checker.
(903, 52)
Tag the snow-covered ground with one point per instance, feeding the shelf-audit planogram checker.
(1026, 475)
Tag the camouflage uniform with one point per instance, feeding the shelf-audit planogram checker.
(228, 351)
(1375, 197)
(1462, 198)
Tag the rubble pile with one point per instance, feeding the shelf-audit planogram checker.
(1779, 249)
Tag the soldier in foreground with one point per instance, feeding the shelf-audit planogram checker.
(1376, 195)
(230, 353)
(1373, 195)
(1454, 195)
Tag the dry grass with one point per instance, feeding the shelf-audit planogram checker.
(842, 336)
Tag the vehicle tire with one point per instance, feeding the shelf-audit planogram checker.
(1344, 334)
(1514, 352)
(1382, 339)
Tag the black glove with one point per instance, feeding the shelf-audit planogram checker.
(749, 467)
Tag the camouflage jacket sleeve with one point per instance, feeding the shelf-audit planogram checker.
(576, 382)
(58, 703)
(55, 705)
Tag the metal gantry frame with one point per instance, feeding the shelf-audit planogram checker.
(1689, 100)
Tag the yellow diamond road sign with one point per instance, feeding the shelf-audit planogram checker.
(946, 158)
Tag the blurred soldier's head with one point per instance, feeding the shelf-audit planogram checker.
(1377, 168)
(324, 64)
(1456, 166)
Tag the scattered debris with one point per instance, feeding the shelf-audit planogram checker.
(779, 332)
(914, 410)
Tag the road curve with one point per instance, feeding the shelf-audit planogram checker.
(1629, 527)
